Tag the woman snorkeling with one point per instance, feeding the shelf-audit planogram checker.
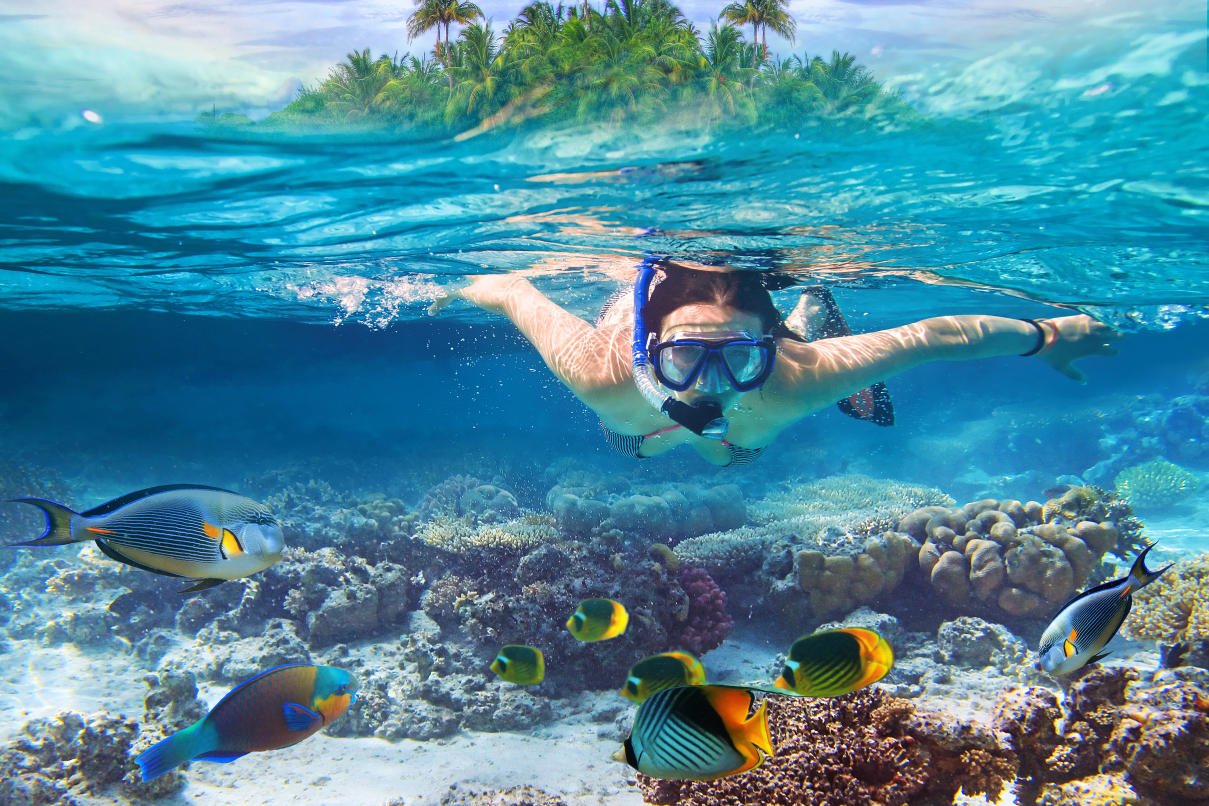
(703, 357)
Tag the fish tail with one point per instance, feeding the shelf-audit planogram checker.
(169, 753)
(58, 524)
(1141, 573)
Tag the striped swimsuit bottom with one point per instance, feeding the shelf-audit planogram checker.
(628, 445)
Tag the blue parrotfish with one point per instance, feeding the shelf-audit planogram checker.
(199, 533)
(598, 620)
(835, 662)
(1089, 621)
(697, 733)
(275, 709)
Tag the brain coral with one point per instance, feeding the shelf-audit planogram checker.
(1175, 607)
(1156, 485)
(863, 748)
(1014, 557)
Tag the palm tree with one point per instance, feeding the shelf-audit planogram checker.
(479, 86)
(842, 82)
(355, 85)
(428, 15)
(761, 15)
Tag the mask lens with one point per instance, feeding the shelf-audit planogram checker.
(745, 361)
(678, 362)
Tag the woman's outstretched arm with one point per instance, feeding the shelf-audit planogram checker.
(589, 361)
(814, 375)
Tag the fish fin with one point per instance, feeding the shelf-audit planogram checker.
(1141, 573)
(299, 717)
(173, 751)
(1097, 656)
(118, 503)
(221, 756)
(201, 585)
(755, 729)
(113, 554)
(872, 404)
(58, 524)
(730, 702)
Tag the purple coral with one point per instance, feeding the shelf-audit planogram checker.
(707, 624)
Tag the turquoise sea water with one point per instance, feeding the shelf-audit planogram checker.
(178, 305)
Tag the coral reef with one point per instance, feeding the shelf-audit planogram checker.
(969, 641)
(1156, 485)
(72, 758)
(512, 796)
(862, 748)
(1175, 607)
(1152, 740)
(1014, 558)
(584, 503)
(463, 536)
(706, 624)
(315, 516)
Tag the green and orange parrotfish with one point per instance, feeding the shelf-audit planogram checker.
(1089, 621)
(275, 709)
(180, 530)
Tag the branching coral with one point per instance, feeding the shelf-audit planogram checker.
(1175, 607)
(1156, 485)
(858, 749)
(461, 536)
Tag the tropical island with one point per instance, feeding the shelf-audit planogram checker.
(631, 62)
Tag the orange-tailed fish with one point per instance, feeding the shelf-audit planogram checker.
(697, 733)
(1089, 621)
(523, 665)
(178, 530)
(274, 709)
(667, 670)
(598, 619)
(835, 662)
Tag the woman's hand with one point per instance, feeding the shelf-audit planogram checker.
(1078, 337)
(488, 291)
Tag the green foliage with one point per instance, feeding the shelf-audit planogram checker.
(633, 62)
(1156, 485)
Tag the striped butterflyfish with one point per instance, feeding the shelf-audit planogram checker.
(1089, 621)
(178, 530)
(835, 662)
(697, 733)
(523, 665)
(666, 670)
(598, 620)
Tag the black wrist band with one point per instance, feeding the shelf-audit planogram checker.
(1041, 336)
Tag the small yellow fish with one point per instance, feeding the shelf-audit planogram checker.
(835, 662)
(598, 620)
(523, 665)
(658, 672)
(697, 733)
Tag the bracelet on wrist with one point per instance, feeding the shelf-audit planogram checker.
(1042, 338)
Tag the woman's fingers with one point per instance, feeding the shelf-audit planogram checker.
(438, 304)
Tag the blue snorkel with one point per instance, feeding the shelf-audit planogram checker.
(703, 418)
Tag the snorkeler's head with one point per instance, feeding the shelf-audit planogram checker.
(715, 305)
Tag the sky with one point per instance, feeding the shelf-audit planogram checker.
(169, 59)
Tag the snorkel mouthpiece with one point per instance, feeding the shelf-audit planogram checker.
(704, 418)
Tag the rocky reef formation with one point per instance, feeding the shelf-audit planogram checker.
(862, 748)
(1174, 609)
(1149, 742)
(1020, 558)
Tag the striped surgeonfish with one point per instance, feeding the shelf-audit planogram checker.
(275, 709)
(178, 530)
(1089, 621)
(697, 733)
(835, 662)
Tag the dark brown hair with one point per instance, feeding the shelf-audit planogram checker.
(745, 291)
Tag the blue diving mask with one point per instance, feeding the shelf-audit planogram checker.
(705, 359)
